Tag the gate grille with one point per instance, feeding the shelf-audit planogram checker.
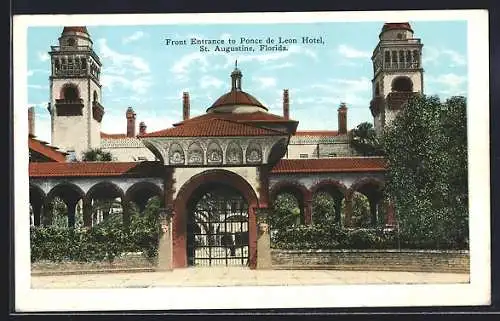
(217, 229)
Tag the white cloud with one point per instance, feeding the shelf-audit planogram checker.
(449, 84)
(436, 56)
(280, 66)
(137, 85)
(121, 61)
(265, 82)
(210, 81)
(133, 37)
(350, 52)
(182, 66)
(43, 56)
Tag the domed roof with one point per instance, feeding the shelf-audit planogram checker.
(396, 26)
(81, 29)
(236, 99)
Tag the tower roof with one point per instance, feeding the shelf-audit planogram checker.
(396, 26)
(81, 29)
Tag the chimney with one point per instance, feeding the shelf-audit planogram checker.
(286, 104)
(31, 121)
(342, 111)
(130, 122)
(185, 106)
(142, 128)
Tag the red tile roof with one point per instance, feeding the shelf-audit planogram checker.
(330, 165)
(87, 169)
(75, 29)
(43, 148)
(396, 25)
(237, 97)
(212, 127)
(317, 133)
(113, 136)
(257, 116)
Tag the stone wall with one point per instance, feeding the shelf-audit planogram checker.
(378, 260)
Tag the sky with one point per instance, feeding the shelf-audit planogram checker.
(142, 71)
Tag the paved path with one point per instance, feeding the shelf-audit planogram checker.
(236, 276)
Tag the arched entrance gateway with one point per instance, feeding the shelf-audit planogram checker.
(214, 221)
(217, 227)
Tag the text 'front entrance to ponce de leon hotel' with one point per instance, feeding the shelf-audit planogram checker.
(217, 227)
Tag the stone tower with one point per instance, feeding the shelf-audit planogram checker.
(75, 93)
(397, 72)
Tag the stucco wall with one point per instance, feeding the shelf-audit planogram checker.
(182, 175)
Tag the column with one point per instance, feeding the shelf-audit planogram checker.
(308, 212)
(47, 213)
(126, 213)
(87, 212)
(338, 210)
(37, 212)
(263, 239)
(348, 211)
(165, 249)
(71, 204)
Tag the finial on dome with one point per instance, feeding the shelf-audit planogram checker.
(236, 76)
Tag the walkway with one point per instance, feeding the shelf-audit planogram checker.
(241, 276)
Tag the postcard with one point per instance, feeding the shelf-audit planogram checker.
(251, 160)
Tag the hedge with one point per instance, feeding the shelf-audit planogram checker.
(334, 237)
(102, 242)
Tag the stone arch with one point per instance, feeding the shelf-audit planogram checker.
(70, 194)
(188, 190)
(176, 154)
(70, 91)
(402, 83)
(234, 153)
(214, 153)
(141, 192)
(372, 188)
(37, 199)
(336, 190)
(195, 154)
(253, 153)
(301, 194)
(107, 190)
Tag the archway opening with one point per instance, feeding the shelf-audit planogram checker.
(402, 84)
(63, 206)
(107, 208)
(366, 203)
(217, 227)
(327, 205)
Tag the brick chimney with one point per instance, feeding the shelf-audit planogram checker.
(185, 106)
(342, 112)
(142, 128)
(31, 121)
(286, 104)
(130, 122)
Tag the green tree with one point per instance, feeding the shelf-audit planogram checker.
(426, 149)
(96, 155)
(365, 141)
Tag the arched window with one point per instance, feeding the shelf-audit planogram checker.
(70, 92)
(402, 83)
(377, 89)
(96, 97)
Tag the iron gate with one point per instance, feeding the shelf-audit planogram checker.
(217, 229)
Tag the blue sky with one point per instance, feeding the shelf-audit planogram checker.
(139, 70)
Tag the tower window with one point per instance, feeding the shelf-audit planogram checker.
(70, 92)
(400, 36)
(402, 83)
(96, 97)
(401, 56)
(71, 42)
(408, 58)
